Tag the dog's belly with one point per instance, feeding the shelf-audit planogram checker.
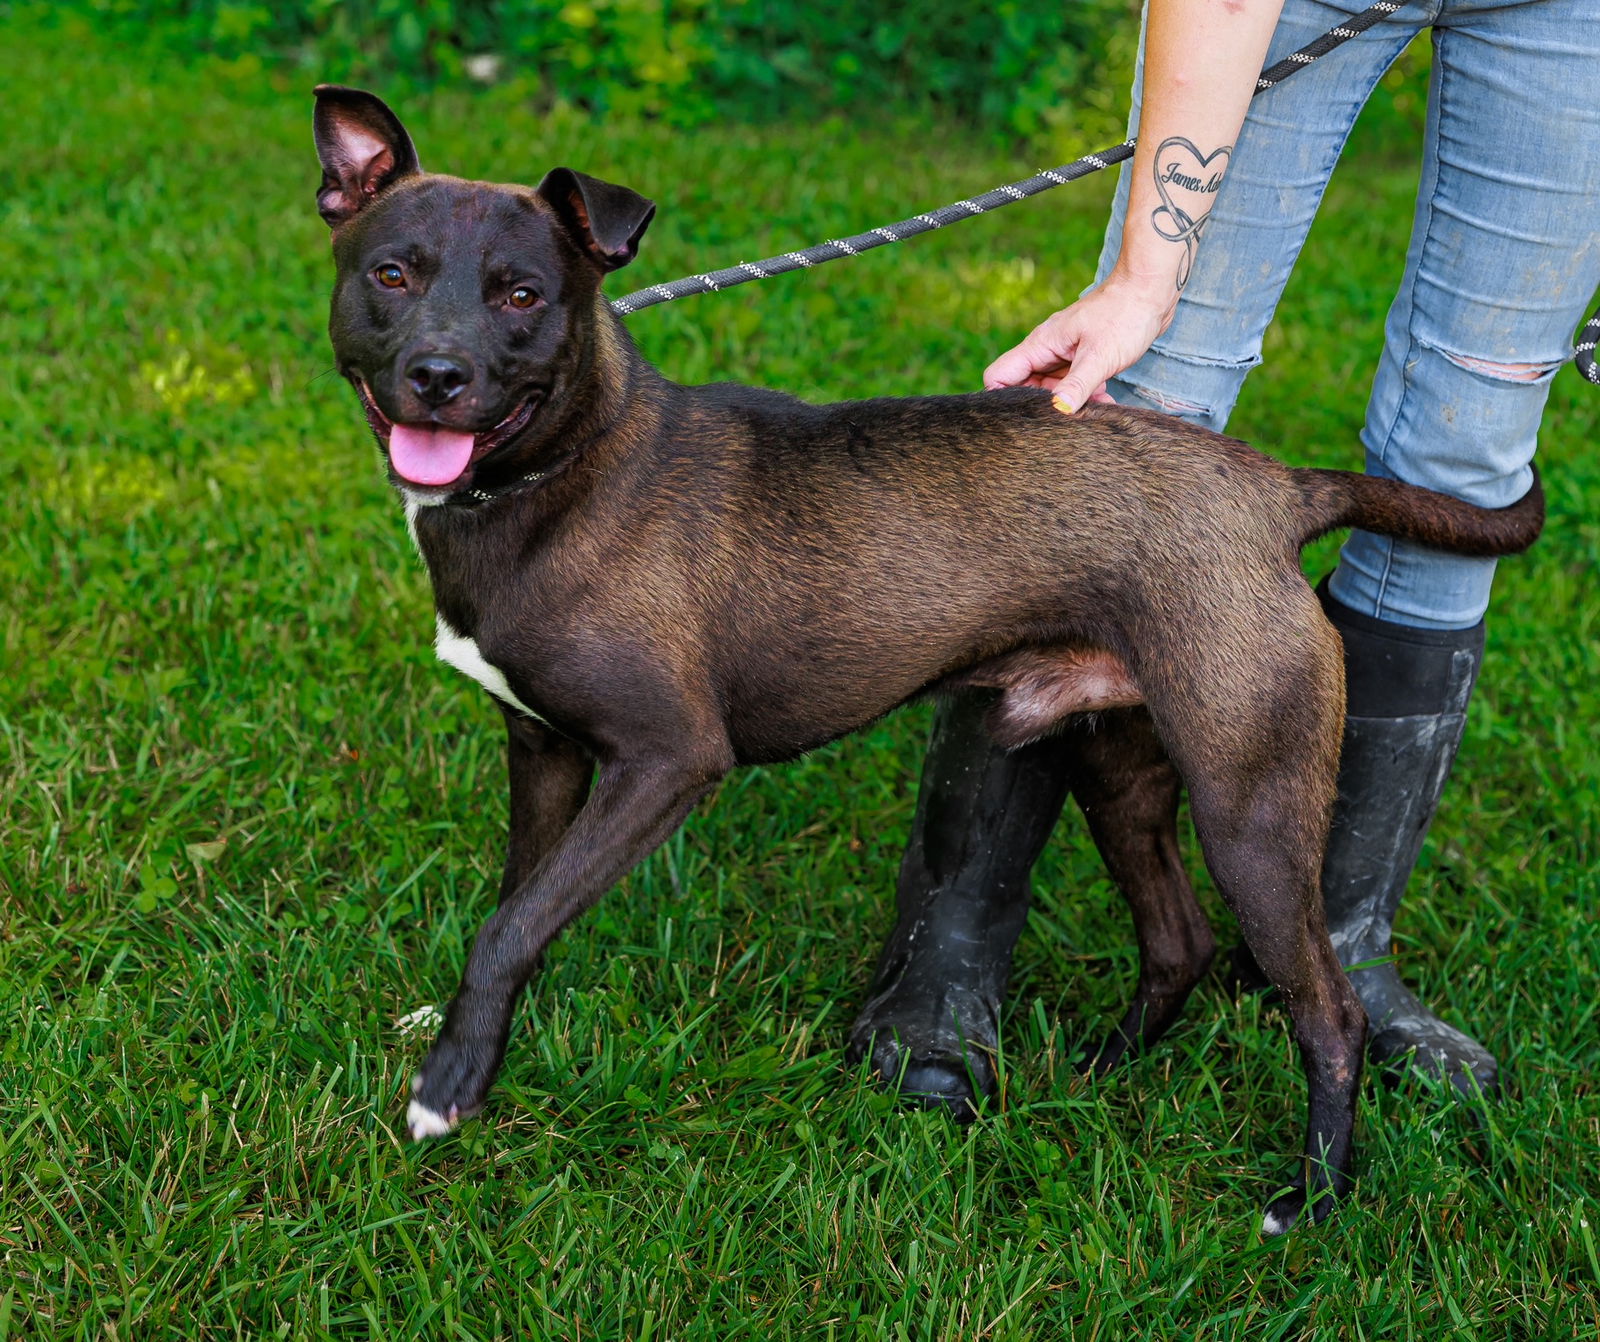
(1041, 687)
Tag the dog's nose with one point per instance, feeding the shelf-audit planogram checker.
(438, 378)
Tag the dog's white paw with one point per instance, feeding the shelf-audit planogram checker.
(1271, 1224)
(423, 1018)
(425, 1122)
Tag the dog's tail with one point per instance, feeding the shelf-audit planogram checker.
(1334, 499)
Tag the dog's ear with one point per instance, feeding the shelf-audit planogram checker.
(363, 148)
(606, 221)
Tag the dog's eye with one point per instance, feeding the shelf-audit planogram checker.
(522, 297)
(390, 276)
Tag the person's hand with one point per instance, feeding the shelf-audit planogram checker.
(1073, 352)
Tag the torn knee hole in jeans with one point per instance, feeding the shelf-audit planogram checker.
(1171, 405)
(1500, 372)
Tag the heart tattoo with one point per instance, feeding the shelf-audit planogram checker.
(1185, 178)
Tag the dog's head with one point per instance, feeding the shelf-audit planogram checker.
(464, 313)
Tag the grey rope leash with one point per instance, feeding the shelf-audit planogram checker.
(1271, 77)
(1588, 338)
(745, 271)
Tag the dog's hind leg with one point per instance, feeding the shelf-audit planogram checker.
(1128, 790)
(1260, 764)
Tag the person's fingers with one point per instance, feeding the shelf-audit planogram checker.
(1086, 379)
(1044, 352)
(1014, 368)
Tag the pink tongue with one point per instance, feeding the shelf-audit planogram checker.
(426, 455)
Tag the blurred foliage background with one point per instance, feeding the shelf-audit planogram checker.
(1052, 74)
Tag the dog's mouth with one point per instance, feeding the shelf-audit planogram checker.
(432, 455)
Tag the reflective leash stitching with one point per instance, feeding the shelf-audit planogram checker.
(837, 248)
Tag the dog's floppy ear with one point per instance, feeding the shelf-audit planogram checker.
(363, 148)
(607, 221)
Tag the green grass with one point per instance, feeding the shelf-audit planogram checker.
(248, 822)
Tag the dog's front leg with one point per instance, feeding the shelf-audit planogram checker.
(635, 805)
(548, 776)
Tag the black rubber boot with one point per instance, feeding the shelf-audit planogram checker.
(1407, 693)
(932, 1023)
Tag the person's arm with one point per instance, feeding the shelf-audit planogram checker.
(1201, 61)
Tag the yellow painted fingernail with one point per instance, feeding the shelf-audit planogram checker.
(1065, 407)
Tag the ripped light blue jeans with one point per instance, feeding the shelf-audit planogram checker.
(1504, 256)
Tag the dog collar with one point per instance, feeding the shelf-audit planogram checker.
(471, 498)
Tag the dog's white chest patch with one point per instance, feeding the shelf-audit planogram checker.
(464, 654)
(414, 503)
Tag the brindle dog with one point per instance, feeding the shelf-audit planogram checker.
(661, 582)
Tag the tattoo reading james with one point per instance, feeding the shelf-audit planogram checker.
(1182, 180)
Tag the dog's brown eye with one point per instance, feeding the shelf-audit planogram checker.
(523, 297)
(391, 277)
